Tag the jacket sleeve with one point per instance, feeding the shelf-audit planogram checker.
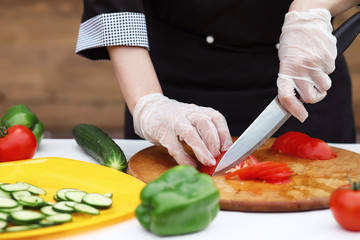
(110, 23)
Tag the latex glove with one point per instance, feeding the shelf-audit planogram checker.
(164, 121)
(307, 53)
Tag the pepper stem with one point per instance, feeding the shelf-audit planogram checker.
(355, 186)
(3, 131)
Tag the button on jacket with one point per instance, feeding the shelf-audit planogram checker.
(219, 54)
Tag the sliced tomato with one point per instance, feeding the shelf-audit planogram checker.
(210, 169)
(303, 146)
(267, 171)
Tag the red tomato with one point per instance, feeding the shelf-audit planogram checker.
(345, 207)
(267, 171)
(301, 145)
(17, 143)
(210, 169)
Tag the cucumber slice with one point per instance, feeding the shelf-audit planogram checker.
(25, 217)
(84, 208)
(32, 201)
(18, 194)
(97, 200)
(3, 224)
(48, 210)
(59, 218)
(46, 223)
(8, 203)
(4, 194)
(10, 210)
(75, 196)
(3, 216)
(14, 187)
(70, 204)
(61, 193)
(22, 228)
(36, 190)
(109, 195)
(63, 207)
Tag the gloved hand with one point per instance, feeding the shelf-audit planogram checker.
(307, 53)
(164, 121)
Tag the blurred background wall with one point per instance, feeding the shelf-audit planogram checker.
(38, 67)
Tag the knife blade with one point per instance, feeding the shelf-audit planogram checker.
(264, 126)
(274, 115)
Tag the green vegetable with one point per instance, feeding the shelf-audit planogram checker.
(100, 146)
(22, 209)
(180, 201)
(21, 115)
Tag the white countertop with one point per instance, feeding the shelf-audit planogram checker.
(307, 225)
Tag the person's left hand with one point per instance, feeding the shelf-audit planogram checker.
(307, 53)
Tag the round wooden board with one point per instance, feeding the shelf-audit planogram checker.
(310, 188)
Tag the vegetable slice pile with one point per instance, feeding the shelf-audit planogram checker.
(268, 171)
(21, 207)
(300, 145)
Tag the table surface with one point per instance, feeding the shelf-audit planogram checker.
(317, 224)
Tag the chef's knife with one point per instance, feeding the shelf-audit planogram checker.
(274, 115)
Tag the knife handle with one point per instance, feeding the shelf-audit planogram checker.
(347, 33)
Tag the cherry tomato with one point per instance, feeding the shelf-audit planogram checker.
(17, 143)
(303, 146)
(345, 206)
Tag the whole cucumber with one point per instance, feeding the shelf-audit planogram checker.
(100, 146)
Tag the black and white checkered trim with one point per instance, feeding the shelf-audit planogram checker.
(111, 29)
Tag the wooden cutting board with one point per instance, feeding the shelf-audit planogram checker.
(310, 188)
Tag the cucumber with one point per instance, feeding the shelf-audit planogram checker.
(22, 227)
(97, 200)
(85, 208)
(100, 146)
(17, 198)
(25, 217)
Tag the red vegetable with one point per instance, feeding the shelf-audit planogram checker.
(16, 143)
(303, 146)
(252, 169)
(267, 171)
(210, 169)
(345, 206)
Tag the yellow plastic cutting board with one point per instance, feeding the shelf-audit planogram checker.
(54, 173)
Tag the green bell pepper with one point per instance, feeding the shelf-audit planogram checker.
(21, 115)
(180, 201)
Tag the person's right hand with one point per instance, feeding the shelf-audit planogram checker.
(307, 53)
(164, 121)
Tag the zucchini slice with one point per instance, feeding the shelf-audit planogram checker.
(97, 200)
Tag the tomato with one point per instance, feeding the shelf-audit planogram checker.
(16, 143)
(210, 169)
(345, 206)
(252, 169)
(303, 146)
(267, 171)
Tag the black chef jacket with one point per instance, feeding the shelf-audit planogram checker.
(222, 54)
